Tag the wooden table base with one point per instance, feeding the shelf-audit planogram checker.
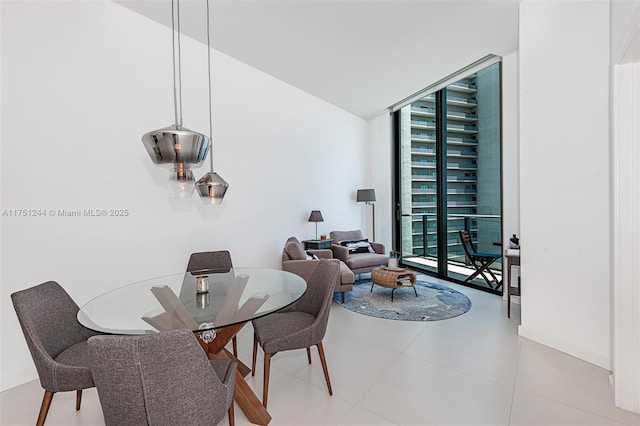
(242, 393)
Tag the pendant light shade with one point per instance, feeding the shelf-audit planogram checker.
(172, 145)
(211, 188)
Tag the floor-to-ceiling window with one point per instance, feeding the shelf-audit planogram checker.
(448, 149)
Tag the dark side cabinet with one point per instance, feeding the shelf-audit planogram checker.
(317, 244)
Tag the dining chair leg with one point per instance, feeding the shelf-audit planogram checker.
(265, 383)
(235, 346)
(78, 399)
(232, 416)
(309, 354)
(44, 408)
(323, 360)
(342, 297)
(255, 354)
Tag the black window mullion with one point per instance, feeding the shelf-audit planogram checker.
(397, 167)
(441, 180)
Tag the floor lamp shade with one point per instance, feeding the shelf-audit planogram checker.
(368, 196)
(316, 216)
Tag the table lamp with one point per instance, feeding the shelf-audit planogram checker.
(316, 216)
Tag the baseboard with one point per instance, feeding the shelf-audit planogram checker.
(16, 379)
(612, 388)
(562, 346)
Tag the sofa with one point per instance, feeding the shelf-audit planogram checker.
(358, 253)
(299, 261)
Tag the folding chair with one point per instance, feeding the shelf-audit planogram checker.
(480, 261)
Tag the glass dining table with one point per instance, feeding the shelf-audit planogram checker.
(214, 304)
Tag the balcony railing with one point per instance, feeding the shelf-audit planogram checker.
(485, 232)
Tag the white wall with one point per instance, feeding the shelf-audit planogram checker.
(625, 31)
(625, 162)
(381, 172)
(81, 82)
(510, 152)
(564, 176)
(626, 235)
(510, 158)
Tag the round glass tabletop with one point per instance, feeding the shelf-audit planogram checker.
(199, 300)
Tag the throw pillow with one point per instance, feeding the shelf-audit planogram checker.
(295, 251)
(311, 256)
(358, 246)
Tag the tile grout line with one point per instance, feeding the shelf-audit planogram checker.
(515, 381)
(375, 382)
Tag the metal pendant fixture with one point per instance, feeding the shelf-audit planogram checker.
(211, 187)
(177, 147)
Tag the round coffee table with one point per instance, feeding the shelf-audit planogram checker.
(393, 279)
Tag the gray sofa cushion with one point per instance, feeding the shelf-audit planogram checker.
(339, 236)
(364, 260)
(295, 251)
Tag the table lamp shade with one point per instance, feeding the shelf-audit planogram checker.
(316, 216)
(366, 195)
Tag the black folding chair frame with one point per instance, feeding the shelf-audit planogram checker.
(479, 262)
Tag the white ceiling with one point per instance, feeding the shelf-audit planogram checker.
(361, 55)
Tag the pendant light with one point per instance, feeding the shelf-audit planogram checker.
(177, 147)
(211, 187)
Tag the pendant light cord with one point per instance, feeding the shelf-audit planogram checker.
(210, 107)
(173, 50)
(177, 83)
(179, 63)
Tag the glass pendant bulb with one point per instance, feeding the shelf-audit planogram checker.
(182, 183)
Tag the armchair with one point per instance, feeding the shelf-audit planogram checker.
(294, 260)
(358, 262)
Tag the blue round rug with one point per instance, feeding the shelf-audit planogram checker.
(435, 302)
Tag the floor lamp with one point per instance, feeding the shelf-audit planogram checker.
(368, 196)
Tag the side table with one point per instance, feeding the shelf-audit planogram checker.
(317, 244)
(513, 259)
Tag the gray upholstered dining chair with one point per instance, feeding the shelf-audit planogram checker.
(56, 340)
(162, 379)
(212, 261)
(300, 325)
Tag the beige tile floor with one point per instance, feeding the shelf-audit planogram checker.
(469, 370)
